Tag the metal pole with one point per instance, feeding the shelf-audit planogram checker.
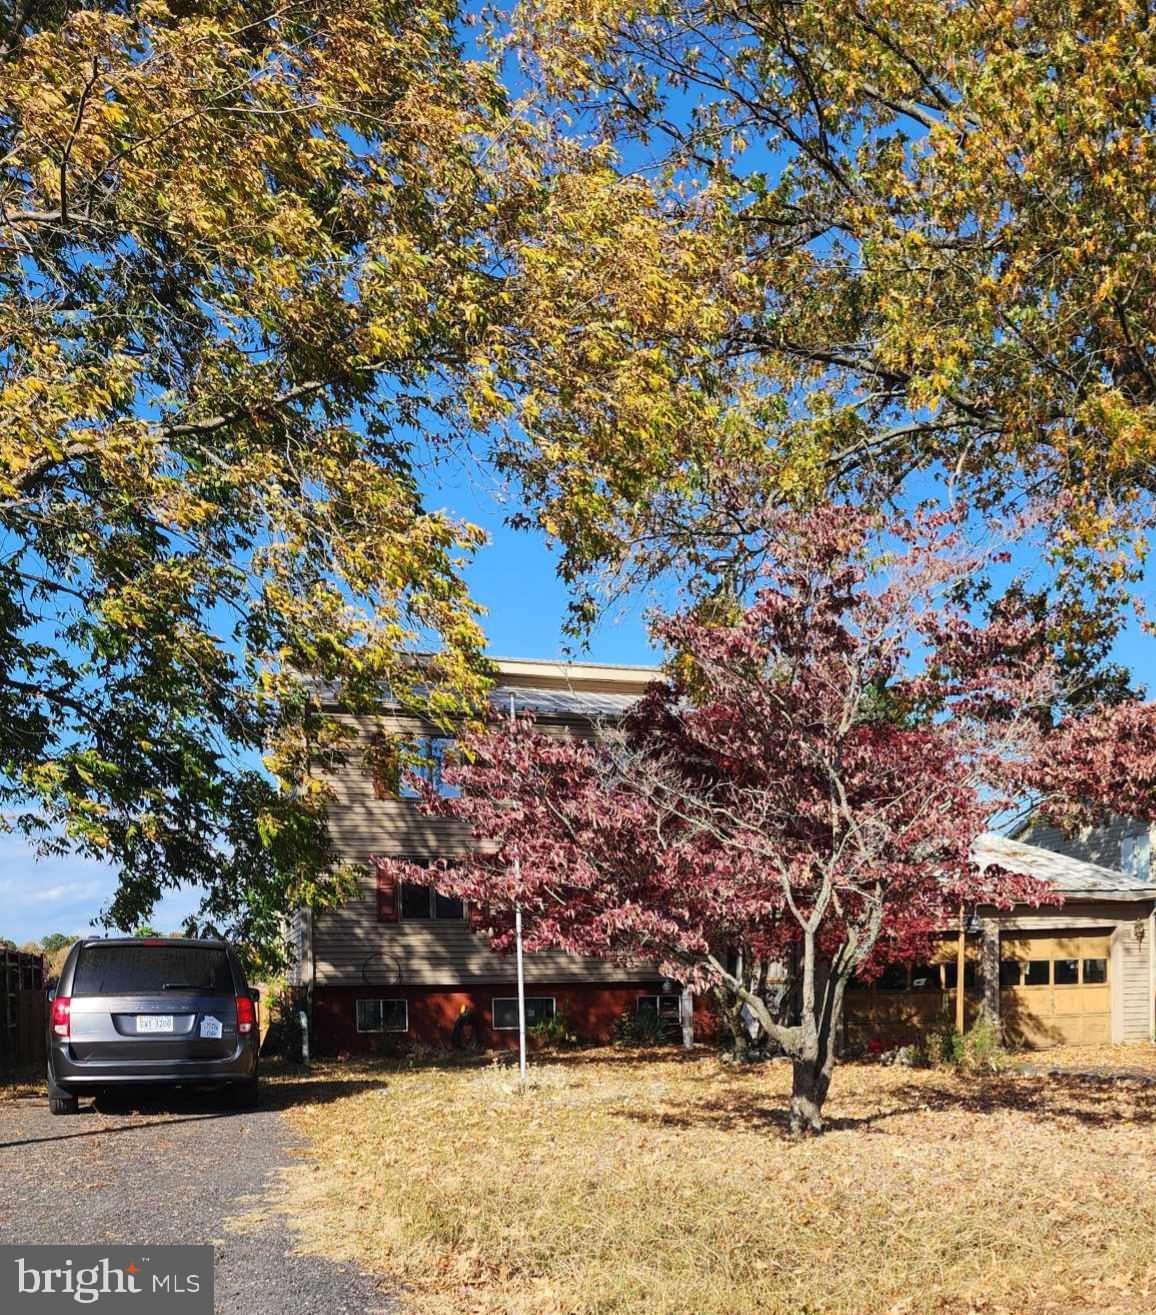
(521, 988)
(518, 939)
(960, 973)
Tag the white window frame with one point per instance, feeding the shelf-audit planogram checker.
(669, 1015)
(513, 999)
(379, 1000)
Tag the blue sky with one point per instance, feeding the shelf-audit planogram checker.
(514, 578)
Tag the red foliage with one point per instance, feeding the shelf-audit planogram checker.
(805, 786)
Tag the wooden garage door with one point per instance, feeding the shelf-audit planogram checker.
(1055, 989)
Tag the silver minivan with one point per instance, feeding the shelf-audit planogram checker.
(151, 1011)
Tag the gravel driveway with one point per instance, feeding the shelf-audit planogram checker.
(171, 1170)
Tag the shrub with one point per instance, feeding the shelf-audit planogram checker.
(640, 1028)
(983, 1048)
(978, 1050)
(555, 1033)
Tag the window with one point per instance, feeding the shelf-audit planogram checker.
(382, 1016)
(950, 976)
(893, 978)
(1036, 972)
(667, 1007)
(428, 756)
(1067, 972)
(144, 969)
(1136, 855)
(504, 1010)
(925, 977)
(1095, 972)
(1009, 972)
(423, 903)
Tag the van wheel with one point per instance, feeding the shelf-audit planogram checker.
(63, 1104)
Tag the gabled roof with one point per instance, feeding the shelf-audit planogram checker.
(1070, 876)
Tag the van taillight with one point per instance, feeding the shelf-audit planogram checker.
(61, 1015)
(246, 1014)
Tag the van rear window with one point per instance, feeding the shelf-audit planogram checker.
(148, 969)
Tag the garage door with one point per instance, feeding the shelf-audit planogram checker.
(1054, 990)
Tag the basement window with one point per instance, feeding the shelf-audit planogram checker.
(504, 1011)
(382, 1016)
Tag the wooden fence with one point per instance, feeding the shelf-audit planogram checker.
(23, 1012)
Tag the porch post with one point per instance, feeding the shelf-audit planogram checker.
(989, 962)
(686, 1016)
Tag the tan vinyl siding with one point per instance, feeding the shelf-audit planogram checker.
(350, 945)
(1136, 981)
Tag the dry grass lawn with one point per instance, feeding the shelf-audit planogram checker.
(661, 1184)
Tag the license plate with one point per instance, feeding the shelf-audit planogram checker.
(154, 1022)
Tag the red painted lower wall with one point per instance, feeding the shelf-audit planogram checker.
(590, 1011)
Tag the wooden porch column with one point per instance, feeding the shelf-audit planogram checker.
(989, 963)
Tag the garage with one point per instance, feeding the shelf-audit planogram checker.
(1055, 989)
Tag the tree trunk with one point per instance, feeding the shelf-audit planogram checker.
(811, 1080)
(731, 1009)
(812, 1070)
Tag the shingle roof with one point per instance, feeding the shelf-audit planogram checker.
(561, 702)
(1070, 876)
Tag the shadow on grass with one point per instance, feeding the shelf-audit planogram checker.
(1093, 1102)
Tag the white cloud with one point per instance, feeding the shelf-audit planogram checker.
(66, 893)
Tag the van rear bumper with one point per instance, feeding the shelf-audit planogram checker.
(71, 1074)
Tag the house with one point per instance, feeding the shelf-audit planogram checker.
(1080, 973)
(403, 964)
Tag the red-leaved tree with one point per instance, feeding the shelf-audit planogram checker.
(803, 789)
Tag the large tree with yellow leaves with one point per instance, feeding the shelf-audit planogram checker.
(868, 244)
(246, 254)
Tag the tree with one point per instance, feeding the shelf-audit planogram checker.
(56, 940)
(804, 788)
(864, 241)
(245, 256)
